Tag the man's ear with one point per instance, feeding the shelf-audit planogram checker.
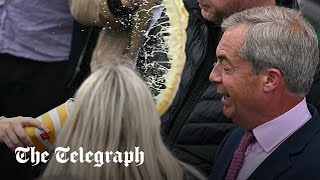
(272, 78)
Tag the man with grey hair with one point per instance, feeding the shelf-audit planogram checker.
(267, 58)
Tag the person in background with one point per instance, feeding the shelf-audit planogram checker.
(41, 51)
(34, 53)
(114, 111)
(267, 59)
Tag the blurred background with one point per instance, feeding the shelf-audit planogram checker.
(311, 10)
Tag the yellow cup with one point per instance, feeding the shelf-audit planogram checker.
(54, 121)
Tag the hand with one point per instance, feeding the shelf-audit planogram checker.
(13, 134)
(131, 4)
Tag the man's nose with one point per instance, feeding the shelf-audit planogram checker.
(215, 75)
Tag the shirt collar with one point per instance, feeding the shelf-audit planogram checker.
(270, 134)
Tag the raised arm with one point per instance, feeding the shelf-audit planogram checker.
(102, 12)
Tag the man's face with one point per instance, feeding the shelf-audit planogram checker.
(216, 10)
(240, 86)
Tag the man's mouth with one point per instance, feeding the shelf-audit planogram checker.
(226, 96)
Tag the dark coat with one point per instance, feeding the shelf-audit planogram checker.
(296, 158)
(194, 125)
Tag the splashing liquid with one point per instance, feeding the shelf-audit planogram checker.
(162, 56)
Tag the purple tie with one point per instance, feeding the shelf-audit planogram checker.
(238, 156)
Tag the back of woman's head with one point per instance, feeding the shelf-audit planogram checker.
(115, 105)
(114, 111)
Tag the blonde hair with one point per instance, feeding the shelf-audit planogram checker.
(114, 111)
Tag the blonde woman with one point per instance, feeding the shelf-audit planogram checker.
(114, 111)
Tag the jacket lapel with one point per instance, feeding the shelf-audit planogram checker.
(279, 161)
(225, 154)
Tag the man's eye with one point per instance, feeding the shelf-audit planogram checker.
(226, 69)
